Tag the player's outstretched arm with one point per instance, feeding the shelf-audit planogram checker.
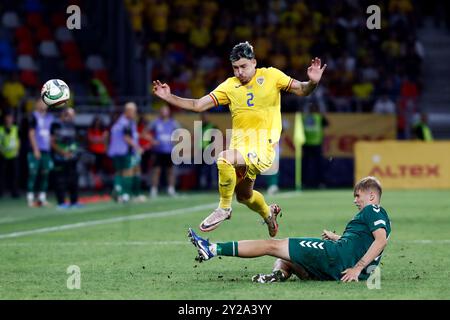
(352, 274)
(315, 71)
(162, 90)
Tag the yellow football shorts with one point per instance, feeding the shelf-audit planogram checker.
(257, 160)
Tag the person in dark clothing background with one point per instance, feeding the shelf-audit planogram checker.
(63, 138)
(314, 123)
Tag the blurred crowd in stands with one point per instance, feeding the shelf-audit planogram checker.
(36, 45)
(188, 43)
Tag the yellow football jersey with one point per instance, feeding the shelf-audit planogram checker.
(255, 106)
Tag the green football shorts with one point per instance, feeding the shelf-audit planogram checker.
(44, 163)
(122, 162)
(317, 256)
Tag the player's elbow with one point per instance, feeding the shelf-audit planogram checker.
(196, 107)
(299, 92)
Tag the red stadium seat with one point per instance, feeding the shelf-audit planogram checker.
(43, 33)
(23, 33)
(101, 74)
(26, 47)
(29, 78)
(74, 63)
(58, 19)
(34, 20)
(69, 48)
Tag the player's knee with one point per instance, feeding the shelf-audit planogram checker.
(244, 196)
(273, 246)
(232, 157)
(222, 160)
(224, 165)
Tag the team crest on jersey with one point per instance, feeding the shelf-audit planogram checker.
(260, 80)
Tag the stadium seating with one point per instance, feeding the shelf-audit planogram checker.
(40, 47)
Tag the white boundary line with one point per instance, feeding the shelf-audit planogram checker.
(35, 212)
(93, 243)
(141, 216)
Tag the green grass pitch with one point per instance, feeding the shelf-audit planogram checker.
(141, 251)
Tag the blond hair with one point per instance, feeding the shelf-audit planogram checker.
(368, 184)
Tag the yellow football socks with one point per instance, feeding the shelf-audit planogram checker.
(257, 203)
(227, 182)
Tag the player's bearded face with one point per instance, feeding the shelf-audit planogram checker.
(244, 69)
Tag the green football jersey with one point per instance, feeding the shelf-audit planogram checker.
(358, 237)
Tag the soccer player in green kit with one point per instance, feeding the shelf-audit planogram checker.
(350, 257)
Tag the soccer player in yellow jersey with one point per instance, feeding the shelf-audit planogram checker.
(253, 96)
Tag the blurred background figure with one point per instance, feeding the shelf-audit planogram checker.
(9, 155)
(122, 147)
(39, 160)
(421, 129)
(207, 173)
(314, 124)
(146, 144)
(14, 91)
(162, 129)
(136, 160)
(384, 105)
(65, 155)
(97, 143)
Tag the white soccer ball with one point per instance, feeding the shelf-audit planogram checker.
(55, 93)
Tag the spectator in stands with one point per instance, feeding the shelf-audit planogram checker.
(65, 154)
(409, 94)
(9, 155)
(97, 136)
(389, 51)
(162, 129)
(362, 91)
(384, 105)
(39, 160)
(13, 91)
(121, 149)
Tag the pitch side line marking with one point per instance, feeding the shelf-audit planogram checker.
(94, 243)
(105, 206)
(122, 218)
(140, 216)
(97, 207)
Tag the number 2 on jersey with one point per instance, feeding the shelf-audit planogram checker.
(250, 99)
